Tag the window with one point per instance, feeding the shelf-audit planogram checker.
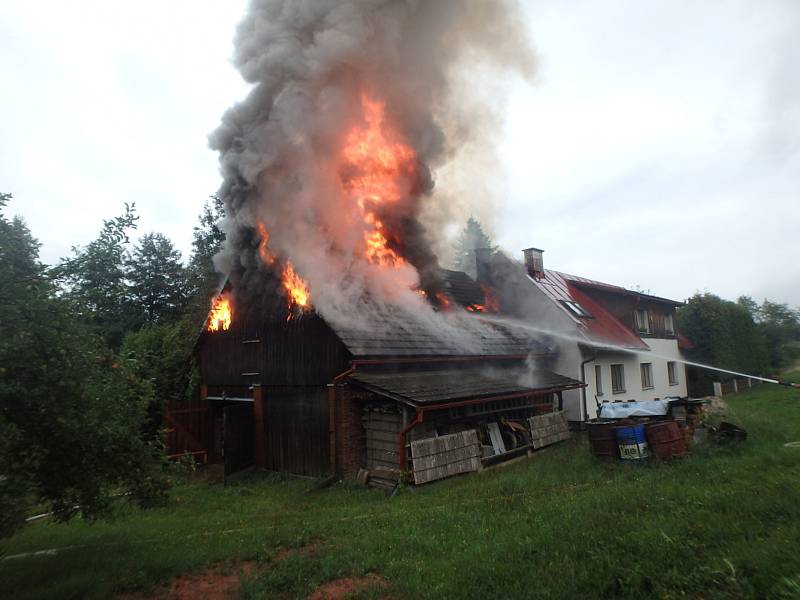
(672, 372)
(647, 376)
(598, 379)
(642, 320)
(576, 309)
(617, 379)
(669, 327)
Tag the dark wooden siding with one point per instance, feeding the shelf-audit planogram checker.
(296, 427)
(275, 352)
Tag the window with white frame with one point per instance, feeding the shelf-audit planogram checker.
(576, 309)
(669, 326)
(647, 375)
(642, 320)
(598, 379)
(618, 379)
(672, 372)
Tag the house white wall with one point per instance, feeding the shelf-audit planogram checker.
(662, 351)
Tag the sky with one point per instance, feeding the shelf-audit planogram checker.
(658, 146)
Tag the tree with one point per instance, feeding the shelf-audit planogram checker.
(724, 335)
(470, 239)
(94, 278)
(72, 415)
(208, 239)
(156, 279)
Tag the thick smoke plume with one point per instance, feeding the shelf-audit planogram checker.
(322, 70)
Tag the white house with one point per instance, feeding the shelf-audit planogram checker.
(621, 343)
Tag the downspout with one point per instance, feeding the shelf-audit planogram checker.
(420, 416)
(583, 389)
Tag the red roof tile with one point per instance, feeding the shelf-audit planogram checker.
(603, 327)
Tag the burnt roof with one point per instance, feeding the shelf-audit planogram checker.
(452, 385)
(452, 333)
(462, 288)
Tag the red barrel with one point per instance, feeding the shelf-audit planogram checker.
(603, 440)
(665, 439)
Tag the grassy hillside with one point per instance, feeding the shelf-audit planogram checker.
(723, 523)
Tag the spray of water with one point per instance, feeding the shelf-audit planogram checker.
(616, 348)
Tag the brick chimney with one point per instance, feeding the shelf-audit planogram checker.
(534, 263)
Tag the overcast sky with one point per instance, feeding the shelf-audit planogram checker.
(659, 146)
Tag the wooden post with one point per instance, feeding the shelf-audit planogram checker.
(258, 426)
(717, 388)
(735, 386)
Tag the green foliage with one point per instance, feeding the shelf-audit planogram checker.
(780, 327)
(94, 278)
(724, 335)
(162, 355)
(722, 523)
(71, 415)
(207, 240)
(471, 238)
(156, 280)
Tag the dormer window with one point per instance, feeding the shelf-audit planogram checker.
(642, 320)
(576, 309)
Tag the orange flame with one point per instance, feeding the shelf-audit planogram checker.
(295, 285)
(444, 301)
(377, 162)
(221, 314)
(263, 246)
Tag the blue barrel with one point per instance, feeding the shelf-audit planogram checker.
(632, 442)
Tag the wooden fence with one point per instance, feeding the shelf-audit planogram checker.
(188, 430)
(734, 385)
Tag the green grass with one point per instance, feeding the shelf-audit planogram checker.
(723, 523)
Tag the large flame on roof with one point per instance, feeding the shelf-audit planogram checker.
(221, 314)
(296, 286)
(376, 162)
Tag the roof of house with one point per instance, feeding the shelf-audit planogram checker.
(453, 385)
(388, 332)
(603, 327)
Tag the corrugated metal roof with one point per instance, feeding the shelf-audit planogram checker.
(445, 386)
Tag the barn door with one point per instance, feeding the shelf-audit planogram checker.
(237, 423)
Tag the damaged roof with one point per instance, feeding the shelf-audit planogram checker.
(461, 335)
(452, 385)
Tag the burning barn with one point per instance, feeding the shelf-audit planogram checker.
(290, 390)
(339, 343)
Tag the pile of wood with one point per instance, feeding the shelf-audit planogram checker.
(440, 457)
(381, 438)
(548, 429)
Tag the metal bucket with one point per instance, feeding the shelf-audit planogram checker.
(665, 439)
(631, 442)
(602, 440)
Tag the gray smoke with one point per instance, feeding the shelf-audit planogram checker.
(309, 61)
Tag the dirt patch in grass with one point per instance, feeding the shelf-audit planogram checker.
(338, 589)
(216, 583)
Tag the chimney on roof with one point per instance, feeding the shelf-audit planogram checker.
(534, 263)
(483, 272)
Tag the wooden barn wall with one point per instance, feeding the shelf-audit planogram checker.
(296, 428)
(302, 351)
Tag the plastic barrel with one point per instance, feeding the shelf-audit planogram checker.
(632, 442)
(602, 440)
(665, 439)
